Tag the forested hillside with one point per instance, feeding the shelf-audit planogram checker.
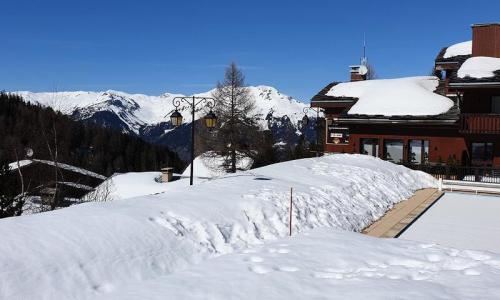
(51, 133)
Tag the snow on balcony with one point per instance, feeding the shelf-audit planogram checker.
(479, 67)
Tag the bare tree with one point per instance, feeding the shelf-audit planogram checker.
(371, 74)
(10, 204)
(21, 177)
(53, 152)
(236, 129)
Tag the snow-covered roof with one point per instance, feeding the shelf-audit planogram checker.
(464, 48)
(22, 163)
(479, 67)
(77, 185)
(25, 162)
(412, 96)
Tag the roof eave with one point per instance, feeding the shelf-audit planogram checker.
(475, 84)
(396, 121)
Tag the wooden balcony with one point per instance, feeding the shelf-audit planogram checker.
(480, 123)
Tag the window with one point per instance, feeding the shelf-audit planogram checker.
(481, 152)
(418, 152)
(393, 151)
(495, 104)
(369, 147)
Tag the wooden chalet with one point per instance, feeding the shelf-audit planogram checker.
(40, 180)
(463, 132)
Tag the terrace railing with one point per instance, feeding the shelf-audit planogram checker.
(480, 123)
(462, 173)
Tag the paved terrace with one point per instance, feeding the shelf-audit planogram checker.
(403, 214)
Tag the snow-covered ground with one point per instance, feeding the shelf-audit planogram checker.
(464, 221)
(394, 97)
(94, 249)
(331, 264)
(479, 67)
(209, 166)
(134, 184)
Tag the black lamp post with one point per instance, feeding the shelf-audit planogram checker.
(210, 119)
(305, 122)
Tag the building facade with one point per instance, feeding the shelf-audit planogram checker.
(452, 118)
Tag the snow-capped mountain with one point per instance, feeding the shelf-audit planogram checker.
(148, 116)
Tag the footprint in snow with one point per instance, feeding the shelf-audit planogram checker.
(328, 275)
(260, 269)
(433, 257)
(421, 275)
(471, 272)
(247, 251)
(256, 259)
(477, 255)
(393, 276)
(287, 269)
(104, 288)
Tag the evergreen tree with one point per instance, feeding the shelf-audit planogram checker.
(81, 144)
(10, 205)
(267, 153)
(301, 150)
(237, 131)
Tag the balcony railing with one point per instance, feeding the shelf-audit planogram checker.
(462, 173)
(480, 123)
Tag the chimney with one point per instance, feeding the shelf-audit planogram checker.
(486, 39)
(358, 72)
(167, 174)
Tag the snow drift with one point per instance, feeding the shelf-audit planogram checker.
(93, 249)
(394, 97)
(330, 264)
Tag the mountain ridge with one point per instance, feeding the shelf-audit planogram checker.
(148, 116)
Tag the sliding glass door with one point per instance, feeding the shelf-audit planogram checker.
(369, 147)
(418, 151)
(393, 151)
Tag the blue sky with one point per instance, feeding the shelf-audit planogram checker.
(154, 47)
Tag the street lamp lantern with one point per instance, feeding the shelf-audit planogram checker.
(176, 118)
(305, 122)
(210, 120)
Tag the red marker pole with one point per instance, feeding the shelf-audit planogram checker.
(290, 218)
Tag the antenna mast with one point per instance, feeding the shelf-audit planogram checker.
(363, 59)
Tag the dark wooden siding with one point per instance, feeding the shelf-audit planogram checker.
(486, 40)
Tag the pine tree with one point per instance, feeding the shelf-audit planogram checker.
(237, 131)
(267, 152)
(10, 205)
